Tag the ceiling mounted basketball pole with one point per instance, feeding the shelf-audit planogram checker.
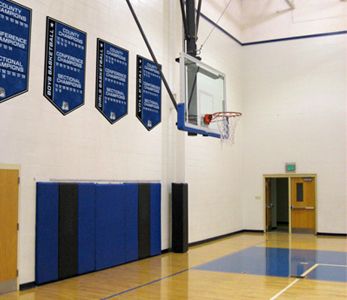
(190, 18)
(191, 28)
(172, 98)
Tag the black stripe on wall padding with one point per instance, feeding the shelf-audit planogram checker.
(68, 230)
(144, 221)
(180, 217)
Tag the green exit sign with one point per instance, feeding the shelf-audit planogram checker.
(290, 167)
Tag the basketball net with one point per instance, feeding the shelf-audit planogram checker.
(226, 123)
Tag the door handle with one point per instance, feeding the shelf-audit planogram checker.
(306, 208)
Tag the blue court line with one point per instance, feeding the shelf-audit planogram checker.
(145, 284)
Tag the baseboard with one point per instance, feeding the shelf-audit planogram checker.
(27, 286)
(225, 236)
(282, 223)
(214, 238)
(252, 231)
(303, 230)
(331, 234)
(164, 251)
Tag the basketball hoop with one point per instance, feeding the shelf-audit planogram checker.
(226, 122)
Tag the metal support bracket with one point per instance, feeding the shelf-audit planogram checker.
(290, 3)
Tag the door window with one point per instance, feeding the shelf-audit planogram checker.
(299, 192)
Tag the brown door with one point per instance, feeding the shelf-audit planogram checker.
(303, 204)
(8, 229)
(268, 203)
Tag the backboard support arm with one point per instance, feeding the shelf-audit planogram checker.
(167, 87)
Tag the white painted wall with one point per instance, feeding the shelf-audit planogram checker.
(284, 91)
(84, 146)
(213, 170)
(294, 101)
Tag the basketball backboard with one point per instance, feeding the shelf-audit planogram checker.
(202, 92)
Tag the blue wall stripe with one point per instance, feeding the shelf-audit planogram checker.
(46, 267)
(301, 37)
(86, 228)
(271, 40)
(155, 224)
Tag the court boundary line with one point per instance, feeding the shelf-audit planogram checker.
(333, 265)
(285, 289)
(145, 284)
(308, 271)
(160, 279)
(303, 276)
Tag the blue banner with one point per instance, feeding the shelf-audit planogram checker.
(64, 66)
(148, 93)
(112, 66)
(15, 26)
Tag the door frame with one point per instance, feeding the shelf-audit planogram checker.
(289, 177)
(4, 166)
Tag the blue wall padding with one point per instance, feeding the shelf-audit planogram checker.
(107, 227)
(110, 226)
(130, 197)
(46, 232)
(86, 228)
(155, 219)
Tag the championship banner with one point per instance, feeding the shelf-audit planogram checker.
(148, 93)
(112, 67)
(15, 26)
(64, 66)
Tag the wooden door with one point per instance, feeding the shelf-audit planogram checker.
(303, 204)
(8, 229)
(268, 204)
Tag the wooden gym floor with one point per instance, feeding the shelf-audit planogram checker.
(225, 269)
